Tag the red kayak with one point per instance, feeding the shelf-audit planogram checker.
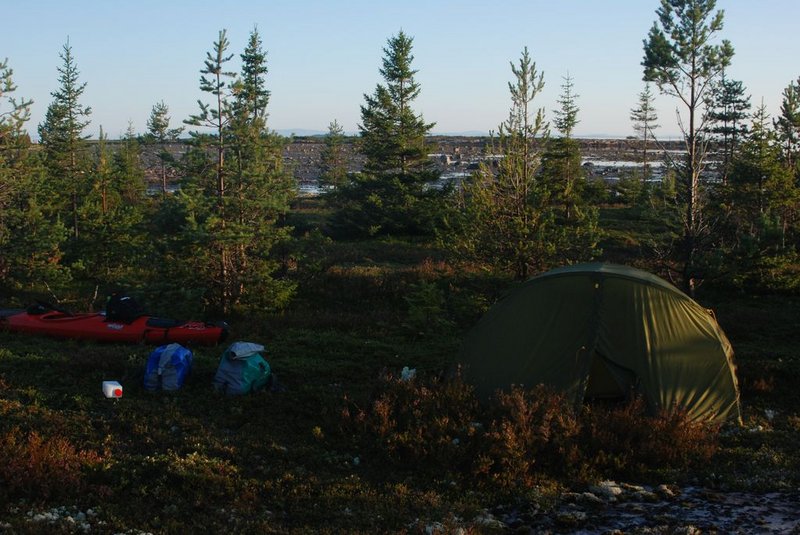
(95, 326)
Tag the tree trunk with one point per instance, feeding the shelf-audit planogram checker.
(223, 264)
(163, 179)
(75, 214)
(644, 158)
(692, 206)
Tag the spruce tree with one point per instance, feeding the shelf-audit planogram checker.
(566, 117)
(252, 95)
(13, 139)
(763, 201)
(103, 174)
(159, 133)
(112, 245)
(61, 135)
(128, 171)
(261, 189)
(30, 244)
(644, 117)
(392, 134)
(562, 158)
(727, 110)
(787, 126)
(682, 58)
(390, 196)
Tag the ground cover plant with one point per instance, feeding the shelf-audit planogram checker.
(348, 442)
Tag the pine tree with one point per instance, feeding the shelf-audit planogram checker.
(644, 117)
(31, 251)
(159, 133)
(217, 82)
(13, 119)
(505, 216)
(61, 136)
(681, 58)
(230, 230)
(727, 109)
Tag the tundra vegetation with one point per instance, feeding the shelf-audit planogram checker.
(381, 273)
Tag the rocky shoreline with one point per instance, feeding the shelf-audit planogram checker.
(608, 508)
(611, 508)
(453, 156)
(461, 154)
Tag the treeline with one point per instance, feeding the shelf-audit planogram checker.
(76, 221)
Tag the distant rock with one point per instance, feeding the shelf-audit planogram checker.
(450, 154)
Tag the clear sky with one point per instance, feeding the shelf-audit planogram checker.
(324, 55)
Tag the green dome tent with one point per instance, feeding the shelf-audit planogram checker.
(605, 331)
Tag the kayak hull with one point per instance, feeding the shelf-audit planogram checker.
(91, 326)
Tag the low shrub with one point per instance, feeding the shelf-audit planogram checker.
(427, 310)
(529, 432)
(626, 441)
(412, 422)
(521, 435)
(39, 468)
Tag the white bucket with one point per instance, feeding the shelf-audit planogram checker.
(112, 389)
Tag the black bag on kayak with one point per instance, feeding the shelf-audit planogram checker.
(123, 308)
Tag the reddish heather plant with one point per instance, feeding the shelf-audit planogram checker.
(413, 421)
(626, 440)
(38, 469)
(530, 431)
(431, 270)
(763, 385)
(522, 434)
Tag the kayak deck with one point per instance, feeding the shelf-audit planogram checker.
(95, 326)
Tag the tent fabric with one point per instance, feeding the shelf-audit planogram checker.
(604, 330)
